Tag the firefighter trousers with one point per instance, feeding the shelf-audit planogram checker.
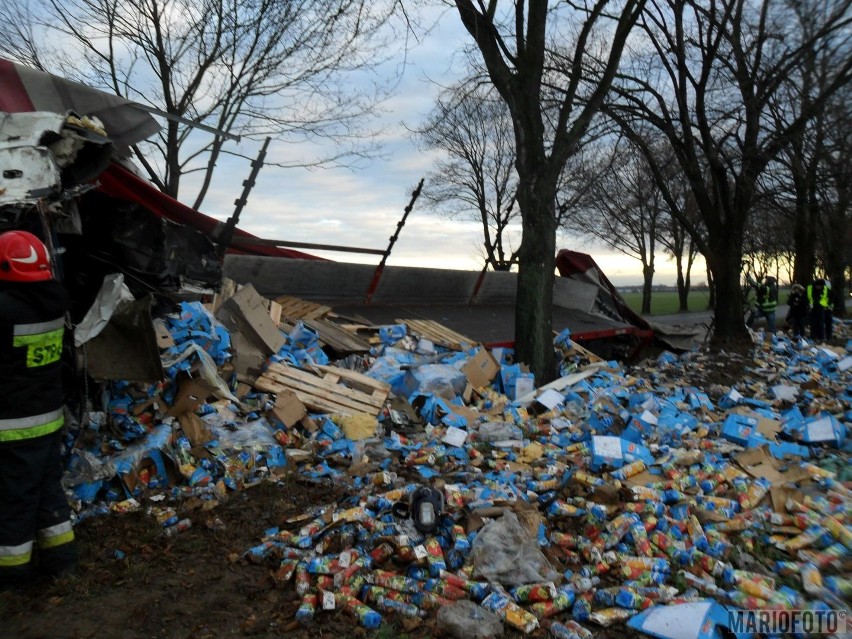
(36, 536)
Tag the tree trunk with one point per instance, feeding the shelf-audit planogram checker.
(173, 171)
(682, 293)
(682, 290)
(647, 283)
(728, 308)
(804, 243)
(534, 305)
(711, 289)
(687, 285)
(835, 263)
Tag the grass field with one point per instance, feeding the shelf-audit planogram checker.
(665, 302)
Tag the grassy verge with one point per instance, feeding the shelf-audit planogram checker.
(666, 302)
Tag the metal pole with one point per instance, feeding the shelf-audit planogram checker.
(381, 267)
(227, 232)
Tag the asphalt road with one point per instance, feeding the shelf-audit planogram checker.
(694, 318)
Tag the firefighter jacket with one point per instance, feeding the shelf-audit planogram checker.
(32, 319)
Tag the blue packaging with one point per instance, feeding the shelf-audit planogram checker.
(738, 428)
(614, 452)
(391, 334)
(823, 429)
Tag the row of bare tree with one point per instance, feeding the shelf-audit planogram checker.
(710, 126)
(691, 116)
(717, 97)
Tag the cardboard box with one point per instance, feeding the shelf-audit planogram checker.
(757, 462)
(249, 312)
(769, 428)
(524, 385)
(195, 429)
(164, 338)
(470, 416)
(191, 393)
(738, 428)
(288, 409)
(481, 368)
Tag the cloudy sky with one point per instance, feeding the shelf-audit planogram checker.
(362, 208)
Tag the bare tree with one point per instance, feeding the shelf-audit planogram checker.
(623, 210)
(476, 178)
(706, 83)
(676, 240)
(836, 198)
(252, 69)
(800, 166)
(552, 97)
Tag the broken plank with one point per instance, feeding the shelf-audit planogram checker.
(339, 339)
(438, 334)
(327, 382)
(314, 397)
(356, 380)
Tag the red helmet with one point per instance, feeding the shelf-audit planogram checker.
(23, 258)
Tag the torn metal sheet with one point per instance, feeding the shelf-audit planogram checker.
(27, 89)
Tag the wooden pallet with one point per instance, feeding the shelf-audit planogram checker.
(438, 334)
(334, 390)
(295, 308)
(341, 339)
(337, 338)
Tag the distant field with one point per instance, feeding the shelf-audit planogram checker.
(665, 302)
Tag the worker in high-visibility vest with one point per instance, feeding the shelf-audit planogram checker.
(829, 312)
(766, 300)
(36, 536)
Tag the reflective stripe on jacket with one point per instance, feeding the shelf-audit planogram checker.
(32, 331)
(770, 298)
(42, 341)
(18, 428)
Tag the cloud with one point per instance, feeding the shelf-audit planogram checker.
(362, 208)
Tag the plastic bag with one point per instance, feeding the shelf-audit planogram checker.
(465, 619)
(505, 552)
(498, 431)
(441, 379)
(254, 435)
(374, 449)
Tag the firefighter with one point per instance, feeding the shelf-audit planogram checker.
(36, 536)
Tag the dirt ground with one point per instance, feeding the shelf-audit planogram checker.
(193, 585)
(133, 582)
